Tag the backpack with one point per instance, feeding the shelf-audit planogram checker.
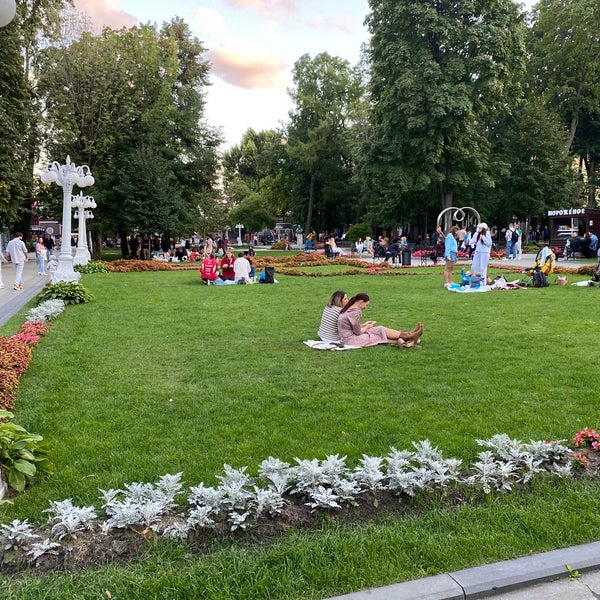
(596, 275)
(540, 279)
(514, 237)
(269, 275)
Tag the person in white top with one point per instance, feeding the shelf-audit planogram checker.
(17, 250)
(241, 269)
(483, 247)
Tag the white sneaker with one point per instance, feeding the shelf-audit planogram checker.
(1, 285)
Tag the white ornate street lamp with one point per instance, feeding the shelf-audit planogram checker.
(81, 203)
(239, 227)
(8, 9)
(66, 176)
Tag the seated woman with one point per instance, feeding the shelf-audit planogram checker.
(227, 272)
(209, 271)
(328, 330)
(333, 247)
(354, 333)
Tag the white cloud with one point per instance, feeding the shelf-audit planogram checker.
(247, 70)
(105, 13)
(210, 22)
(235, 110)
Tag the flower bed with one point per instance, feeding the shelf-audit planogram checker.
(280, 496)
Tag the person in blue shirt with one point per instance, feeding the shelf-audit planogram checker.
(450, 255)
(590, 245)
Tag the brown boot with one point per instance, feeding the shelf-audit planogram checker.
(413, 335)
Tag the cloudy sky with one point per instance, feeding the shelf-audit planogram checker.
(252, 45)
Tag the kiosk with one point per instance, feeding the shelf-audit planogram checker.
(567, 223)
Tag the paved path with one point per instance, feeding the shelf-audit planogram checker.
(11, 301)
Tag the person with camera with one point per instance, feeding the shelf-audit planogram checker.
(483, 247)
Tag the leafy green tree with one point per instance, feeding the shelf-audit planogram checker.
(19, 109)
(319, 141)
(129, 104)
(252, 214)
(534, 175)
(565, 63)
(257, 167)
(440, 72)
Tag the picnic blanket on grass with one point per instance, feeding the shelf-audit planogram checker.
(320, 345)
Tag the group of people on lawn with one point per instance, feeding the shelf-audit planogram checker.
(231, 270)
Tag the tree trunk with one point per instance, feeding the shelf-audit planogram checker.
(124, 245)
(572, 132)
(311, 203)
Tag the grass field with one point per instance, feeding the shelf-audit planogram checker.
(160, 374)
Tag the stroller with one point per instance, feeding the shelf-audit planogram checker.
(544, 264)
(545, 261)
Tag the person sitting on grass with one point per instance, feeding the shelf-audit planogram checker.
(354, 333)
(209, 271)
(227, 262)
(328, 330)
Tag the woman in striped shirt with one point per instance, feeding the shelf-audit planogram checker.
(328, 331)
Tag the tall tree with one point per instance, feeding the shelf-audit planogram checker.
(319, 141)
(440, 70)
(565, 50)
(19, 110)
(129, 104)
(256, 170)
(534, 175)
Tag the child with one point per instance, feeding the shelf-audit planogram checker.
(466, 277)
(476, 280)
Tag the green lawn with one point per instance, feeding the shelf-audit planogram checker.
(160, 374)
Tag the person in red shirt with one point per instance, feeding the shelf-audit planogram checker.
(208, 270)
(195, 255)
(227, 271)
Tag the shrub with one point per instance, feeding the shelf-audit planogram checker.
(129, 266)
(360, 230)
(23, 455)
(91, 267)
(71, 292)
(15, 354)
(46, 311)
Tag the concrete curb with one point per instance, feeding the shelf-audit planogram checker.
(488, 580)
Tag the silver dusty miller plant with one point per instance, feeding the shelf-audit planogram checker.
(46, 311)
(241, 499)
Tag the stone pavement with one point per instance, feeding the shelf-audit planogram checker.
(11, 301)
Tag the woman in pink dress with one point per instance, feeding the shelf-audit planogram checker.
(354, 333)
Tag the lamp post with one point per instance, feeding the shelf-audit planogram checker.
(81, 203)
(66, 176)
(239, 227)
(8, 9)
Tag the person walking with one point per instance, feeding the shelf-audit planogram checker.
(40, 255)
(17, 251)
